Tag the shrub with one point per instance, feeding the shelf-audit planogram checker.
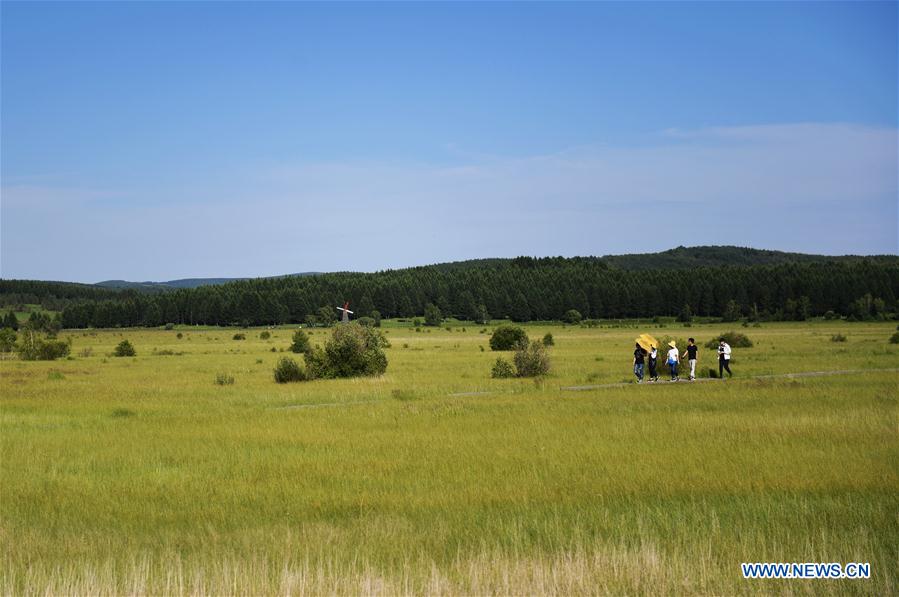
(531, 360)
(433, 316)
(352, 350)
(508, 337)
(179, 335)
(223, 379)
(572, 316)
(124, 349)
(288, 370)
(590, 323)
(376, 316)
(7, 339)
(39, 349)
(300, 342)
(366, 321)
(169, 326)
(265, 335)
(830, 315)
(838, 338)
(548, 340)
(735, 339)
(502, 369)
(894, 339)
(239, 336)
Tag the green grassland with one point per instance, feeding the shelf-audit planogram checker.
(141, 475)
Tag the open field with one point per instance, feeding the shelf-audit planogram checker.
(140, 475)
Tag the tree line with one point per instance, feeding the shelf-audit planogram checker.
(522, 289)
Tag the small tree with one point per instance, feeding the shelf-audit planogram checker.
(265, 335)
(300, 344)
(11, 321)
(548, 340)
(352, 350)
(531, 360)
(482, 316)
(7, 339)
(732, 311)
(376, 315)
(508, 337)
(502, 369)
(124, 349)
(288, 370)
(572, 316)
(327, 316)
(433, 316)
(686, 314)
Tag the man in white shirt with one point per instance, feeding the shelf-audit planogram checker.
(724, 358)
(673, 360)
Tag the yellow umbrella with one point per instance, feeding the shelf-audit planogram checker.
(646, 342)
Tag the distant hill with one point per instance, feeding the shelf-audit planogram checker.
(716, 256)
(182, 283)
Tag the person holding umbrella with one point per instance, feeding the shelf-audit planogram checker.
(673, 360)
(653, 361)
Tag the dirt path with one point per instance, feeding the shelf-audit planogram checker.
(613, 385)
(707, 379)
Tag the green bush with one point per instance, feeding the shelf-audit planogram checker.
(366, 321)
(830, 315)
(124, 349)
(265, 335)
(433, 316)
(838, 338)
(353, 350)
(239, 336)
(288, 370)
(548, 340)
(179, 335)
(508, 337)
(735, 339)
(572, 316)
(531, 360)
(502, 369)
(7, 339)
(894, 339)
(300, 342)
(169, 326)
(40, 349)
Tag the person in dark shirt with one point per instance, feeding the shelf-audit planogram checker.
(639, 356)
(690, 355)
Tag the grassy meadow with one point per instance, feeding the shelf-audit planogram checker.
(141, 475)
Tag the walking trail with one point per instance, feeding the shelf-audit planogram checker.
(617, 385)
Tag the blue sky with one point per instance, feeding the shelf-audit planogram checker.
(155, 141)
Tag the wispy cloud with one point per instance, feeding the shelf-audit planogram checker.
(791, 186)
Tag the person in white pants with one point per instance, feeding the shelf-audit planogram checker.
(690, 355)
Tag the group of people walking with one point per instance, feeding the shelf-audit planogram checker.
(673, 359)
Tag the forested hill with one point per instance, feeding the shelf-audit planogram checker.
(175, 284)
(712, 256)
(522, 289)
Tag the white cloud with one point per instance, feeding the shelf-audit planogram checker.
(777, 186)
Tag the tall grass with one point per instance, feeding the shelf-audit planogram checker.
(522, 490)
